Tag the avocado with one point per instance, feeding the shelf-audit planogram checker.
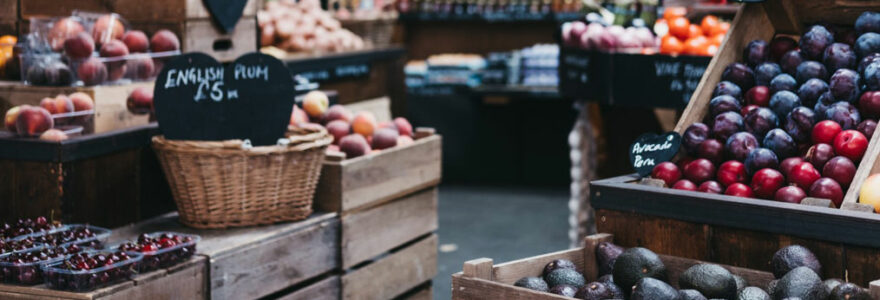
(753, 293)
(649, 288)
(593, 291)
(712, 281)
(690, 295)
(801, 282)
(558, 264)
(771, 288)
(566, 277)
(532, 283)
(635, 264)
(849, 291)
(616, 291)
(832, 283)
(788, 258)
(606, 254)
(740, 283)
(564, 290)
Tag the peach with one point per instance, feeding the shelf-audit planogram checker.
(315, 103)
(298, 116)
(63, 104)
(107, 28)
(82, 101)
(403, 126)
(364, 123)
(53, 135)
(140, 101)
(404, 140)
(339, 129)
(136, 41)
(385, 138)
(92, 71)
(141, 68)
(870, 192)
(33, 121)
(48, 104)
(164, 40)
(11, 116)
(337, 112)
(63, 29)
(79, 46)
(115, 68)
(354, 145)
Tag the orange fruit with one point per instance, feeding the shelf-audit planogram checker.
(717, 39)
(709, 24)
(694, 31)
(8, 40)
(673, 12)
(680, 27)
(722, 28)
(671, 45)
(696, 46)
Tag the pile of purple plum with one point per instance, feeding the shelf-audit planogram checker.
(792, 120)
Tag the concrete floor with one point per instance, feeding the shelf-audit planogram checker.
(502, 223)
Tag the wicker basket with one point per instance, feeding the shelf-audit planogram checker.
(220, 185)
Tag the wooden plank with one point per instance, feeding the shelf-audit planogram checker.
(510, 272)
(875, 289)
(861, 265)
(425, 293)
(394, 274)
(185, 281)
(93, 187)
(367, 234)
(327, 289)
(372, 179)
(743, 248)
(204, 36)
(591, 261)
(380, 107)
(478, 268)
(661, 235)
(468, 288)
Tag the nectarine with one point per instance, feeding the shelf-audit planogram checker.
(63, 104)
(337, 112)
(315, 103)
(79, 46)
(48, 104)
(33, 121)
(82, 101)
(107, 28)
(136, 41)
(11, 116)
(114, 48)
(140, 101)
(54, 135)
(870, 192)
(140, 68)
(354, 145)
(63, 29)
(403, 126)
(339, 129)
(364, 123)
(385, 138)
(92, 71)
(164, 40)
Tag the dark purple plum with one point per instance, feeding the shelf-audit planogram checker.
(713, 150)
(759, 121)
(781, 45)
(868, 21)
(810, 69)
(867, 127)
(871, 78)
(727, 88)
(844, 85)
(869, 105)
(783, 102)
(839, 56)
(693, 136)
(844, 114)
(740, 74)
(814, 42)
(756, 52)
(867, 43)
(867, 60)
(766, 72)
(740, 144)
(790, 61)
(778, 141)
(726, 124)
(799, 124)
(760, 158)
(819, 154)
(783, 82)
(822, 105)
(810, 91)
(722, 104)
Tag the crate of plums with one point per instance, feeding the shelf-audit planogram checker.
(603, 270)
(779, 137)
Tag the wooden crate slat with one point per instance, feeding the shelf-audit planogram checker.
(369, 233)
(189, 281)
(425, 293)
(510, 272)
(658, 234)
(327, 289)
(394, 274)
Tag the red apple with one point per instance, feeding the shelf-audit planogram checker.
(731, 172)
(699, 170)
(788, 164)
(766, 182)
(819, 154)
(827, 188)
(739, 190)
(790, 194)
(803, 175)
(710, 186)
(758, 95)
(841, 169)
(666, 171)
(684, 184)
(825, 131)
(851, 143)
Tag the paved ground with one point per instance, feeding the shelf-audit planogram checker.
(502, 223)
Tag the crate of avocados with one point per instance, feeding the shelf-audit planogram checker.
(603, 270)
(767, 185)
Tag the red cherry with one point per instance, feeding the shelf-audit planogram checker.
(766, 181)
(851, 144)
(739, 190)
(803, 175)
(666, 171)
(731, 172)
(685, 184)
(825, 131)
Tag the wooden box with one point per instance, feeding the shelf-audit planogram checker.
(202, 35)
(404, 269)
(482, 279)
(111, 112)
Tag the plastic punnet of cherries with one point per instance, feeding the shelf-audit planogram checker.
(791, 121)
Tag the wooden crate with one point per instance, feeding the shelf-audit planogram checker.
(482, 279)
(395, 273)
(131, 10)
(111, 112)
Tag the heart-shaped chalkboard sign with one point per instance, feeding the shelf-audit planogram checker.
(226, 12)
(197, 98)
(651, 149)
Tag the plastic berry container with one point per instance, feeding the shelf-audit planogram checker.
(19, 244)
(165, 257)
(64, 276)
(60, 237)
(27, 273)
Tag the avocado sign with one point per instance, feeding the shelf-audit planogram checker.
(651, 149)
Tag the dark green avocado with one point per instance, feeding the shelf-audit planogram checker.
(558, 264)
(849, 291)
(753, 293)
(649, 288)
(565, 277)
(712, 281)
(635, 264)
(690, 295)
(532, 283)
(790, 257)
(801, 282)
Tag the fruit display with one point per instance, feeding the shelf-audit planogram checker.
(640, 274)
(89, 270)
(353, 134)
(92, 49)
(162, 249)
(26, 267)
(75, 234)
(61, 112)
(679, 36)
(27, 226)
(794, 118)
(611, 38)
(18, 244)
(304, 27)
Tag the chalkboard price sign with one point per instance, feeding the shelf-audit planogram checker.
(197, 98)
(651, 149)
(226, 12)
